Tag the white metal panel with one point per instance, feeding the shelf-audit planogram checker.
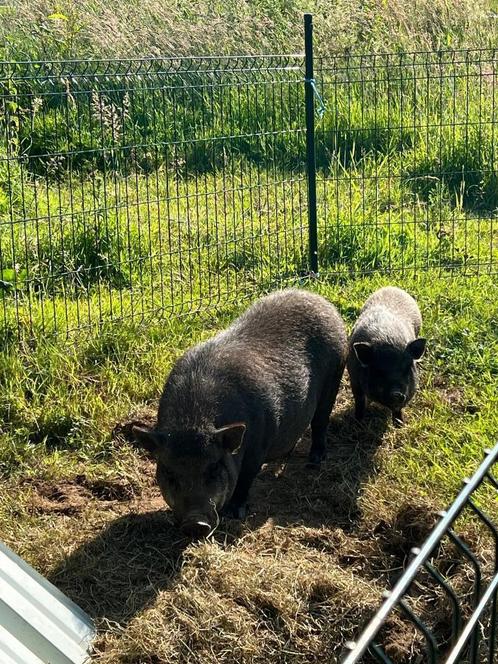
(49, 626)
(14, 652)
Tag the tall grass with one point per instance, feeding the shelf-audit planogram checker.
(131, 198)
(437, 108)
(39, 29)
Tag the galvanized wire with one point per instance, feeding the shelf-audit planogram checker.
(407, 162)
(135, 189)
(473, 638)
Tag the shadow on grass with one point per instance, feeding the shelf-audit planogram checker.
(299, 494)
(120, 572)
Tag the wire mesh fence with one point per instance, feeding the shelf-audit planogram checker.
(143, 188)
(445, 604)
(136, 188)
(407, 164)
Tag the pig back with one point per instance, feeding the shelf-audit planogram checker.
(267, 369)
(397, 306)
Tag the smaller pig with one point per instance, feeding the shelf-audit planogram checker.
(384, 349)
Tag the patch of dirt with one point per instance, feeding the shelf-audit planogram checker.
(71, 497)
(122, 432)
(66, 498)
(455, 398)
(107, 490)
(402, 642)
(409, 528)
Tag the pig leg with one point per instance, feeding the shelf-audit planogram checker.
(320, 421)
(360, 401)
(236, 508)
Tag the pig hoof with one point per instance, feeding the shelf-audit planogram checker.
(241, 512)
(235, 511)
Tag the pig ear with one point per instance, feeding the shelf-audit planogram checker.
(149, 440)
(231, 436)
(417, 348)
(364, 352)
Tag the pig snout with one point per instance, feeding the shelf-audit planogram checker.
(198, 526)
(198, 529)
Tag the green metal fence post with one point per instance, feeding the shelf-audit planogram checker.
(310, 144)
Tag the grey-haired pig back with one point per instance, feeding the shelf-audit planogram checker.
(242, 398)
(383, 350)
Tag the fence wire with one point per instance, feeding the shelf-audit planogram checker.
(444, 605)
(137, 189)
(407, 162)
(133, 189)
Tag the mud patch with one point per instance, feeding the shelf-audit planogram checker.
(122, 432)
(66, 498)
(72, 497)
(108, 490)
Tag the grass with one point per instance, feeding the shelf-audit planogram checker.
(40, 30)
(302, 574)
(140, 212)
(298, 578)
(126, 183)
(125, 248)
(71, 120)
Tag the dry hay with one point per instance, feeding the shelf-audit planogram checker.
(291, 584)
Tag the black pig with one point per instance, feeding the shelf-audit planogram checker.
(244, 397)
(383, 350)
